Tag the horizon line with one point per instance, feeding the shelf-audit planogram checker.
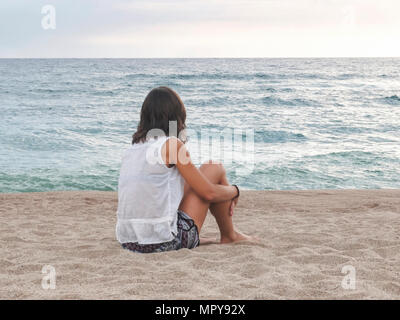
(282, 57)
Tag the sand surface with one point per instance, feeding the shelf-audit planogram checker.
(306, 239)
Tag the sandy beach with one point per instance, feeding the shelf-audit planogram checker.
(307, 237)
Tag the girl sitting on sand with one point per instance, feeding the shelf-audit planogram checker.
(163, 199)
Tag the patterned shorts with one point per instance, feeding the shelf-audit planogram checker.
(187, 237)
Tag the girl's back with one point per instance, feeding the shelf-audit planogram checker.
(149, 194)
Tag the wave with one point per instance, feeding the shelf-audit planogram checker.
(217, 76)
(50, 91)
(50, 180)
(133, 76)
(392, 100)
(272, 136)
(106, 93)
(279, 136)
(346, 76)
(275, 101)
(278, 89)
(355, 157)
(242, 76)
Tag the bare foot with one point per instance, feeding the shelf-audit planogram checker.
(205, 241)
(237, 236)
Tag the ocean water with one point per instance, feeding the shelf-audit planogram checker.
(318, 123)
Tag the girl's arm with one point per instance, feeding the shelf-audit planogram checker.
(174, 152)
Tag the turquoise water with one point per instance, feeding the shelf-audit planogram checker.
(318, 123)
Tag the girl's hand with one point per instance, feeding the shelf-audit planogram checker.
(234, 200)
(233, 205)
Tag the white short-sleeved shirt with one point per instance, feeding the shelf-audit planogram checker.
(149, 194)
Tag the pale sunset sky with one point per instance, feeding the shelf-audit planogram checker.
(201, 28)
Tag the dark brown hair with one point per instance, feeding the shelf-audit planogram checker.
(161, 105)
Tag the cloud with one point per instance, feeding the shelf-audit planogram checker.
(176, 28)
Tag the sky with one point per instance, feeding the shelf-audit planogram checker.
(199, 28)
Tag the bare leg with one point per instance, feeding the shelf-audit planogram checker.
(220, 211)
(197, 208)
